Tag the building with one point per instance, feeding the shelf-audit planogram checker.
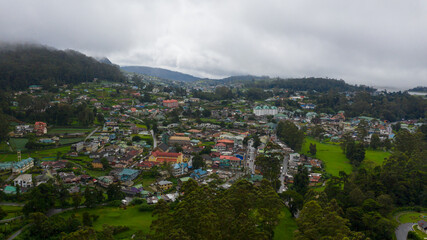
(179, 169)
(265, 110)
(10, 190)
(128, 174)
(179, 140)
(24, 180)
(77, 147)
(170, 103)
(422, 225)
(164, 185)
(97, 164)
(40, 128)
(158, 156)
(18, 167)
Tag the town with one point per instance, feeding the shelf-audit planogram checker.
(141, 140)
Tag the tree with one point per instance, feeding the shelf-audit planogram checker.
(313, 149)
(114, 192)
(4, 128)
(77, 199)
(198, 162)
(86, 219)
(3, 213)
(105, 163)
(375, 141)
(301, 181)
(90, 195)
(294, 201)
(289, 133)
(269, 164)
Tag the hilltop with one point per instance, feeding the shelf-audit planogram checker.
(22, 65)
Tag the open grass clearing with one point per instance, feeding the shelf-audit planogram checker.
(69, 130)
(412, 217)
(286, 227)
(12, 211)
(331, 155)
(114, 216)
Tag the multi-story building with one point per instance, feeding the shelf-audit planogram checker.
(265, 110)
(170, 103)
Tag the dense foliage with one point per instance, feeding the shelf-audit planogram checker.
(25, 65)
(289, 133)
(306, 84)
(242, 212)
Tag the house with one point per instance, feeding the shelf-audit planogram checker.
(422, 225)
(164, 185)
(10, 190)
(24, 180)
(97, 164)
(105, 181)
(161, 157)
(146, 165)
(23, 165)
(128, 174)
(179, 140)
(77, 147)
(198, 173)
(265, 110)
(40, 128)
(170, 103)
(179, 169)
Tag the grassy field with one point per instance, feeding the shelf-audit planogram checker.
(331, 155)
(286, 227)
(130, 217)
(70, 140)
(69, 130)
(18, 143)
(335, 160)
(411, 217)
(36, 154)
(375, 157)
(12, 211)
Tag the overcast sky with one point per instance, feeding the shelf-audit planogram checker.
(378, 43)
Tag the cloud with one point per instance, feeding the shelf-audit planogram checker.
(378, 43)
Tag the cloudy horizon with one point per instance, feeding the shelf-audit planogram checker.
(376, 43)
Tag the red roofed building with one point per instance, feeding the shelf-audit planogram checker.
(40, 128)
(228, 143)
(158, 156)
(170, 103)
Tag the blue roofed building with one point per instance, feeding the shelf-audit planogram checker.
(198, 174)
(179, 169)
(128, 174)
(18, 167)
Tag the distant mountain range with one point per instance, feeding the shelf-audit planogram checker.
(160, 73)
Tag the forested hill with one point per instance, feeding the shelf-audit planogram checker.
(160, 73)
(25, 65)
(306, 84)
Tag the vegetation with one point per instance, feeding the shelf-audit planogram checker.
(25, 65)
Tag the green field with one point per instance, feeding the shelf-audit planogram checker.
(12, 211)
(64, 141)
(69, 130)
(335, 160)
(114, 216)
(286, 227)
(331, 155)
(18, 143)
(412, 217)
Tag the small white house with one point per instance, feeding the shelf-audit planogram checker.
(24, 180)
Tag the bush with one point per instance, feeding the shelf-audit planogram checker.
(115, 203)
(137, 201)
(145, 207)
(413, 236)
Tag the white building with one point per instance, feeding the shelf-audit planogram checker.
(265, 110)
(23, 180)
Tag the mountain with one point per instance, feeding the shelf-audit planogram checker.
(418, 89)
(104, 60)
(22, 65)
(160, 73)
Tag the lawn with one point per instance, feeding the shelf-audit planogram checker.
(286, 227)
(331, 155)
(412, 217)
(18, 143)
(114, 216)
(69, 130)
(64, 141)
(375, 157)
(12, 211)
(335, 160)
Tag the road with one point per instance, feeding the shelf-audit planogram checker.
(250, 160)
(402, 231)
(152, 132)
(12, 204)
(283, 174)
(90, 134)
